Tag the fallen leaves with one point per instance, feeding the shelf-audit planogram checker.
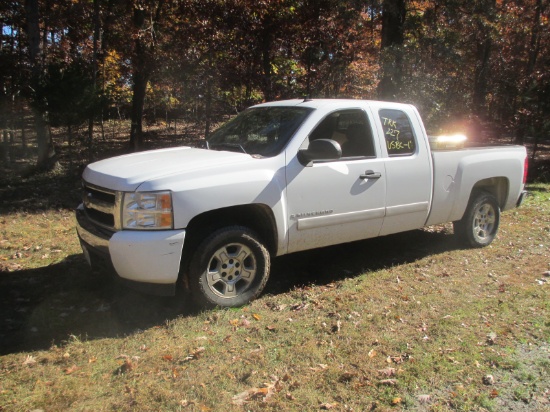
(544, 279)
(328, 406)
(12, 267)
(387, 372)
(319, 367)
(424, 398)
(336, 327)
(196, 354)
(335, 366)
(398, 359)
(29, 360)
(124, 368)
(299, 306)
(347, 377)
(276, 307)
(262, 393)
(491, 338)
(488, 380)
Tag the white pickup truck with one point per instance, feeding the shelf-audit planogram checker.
(280, 178)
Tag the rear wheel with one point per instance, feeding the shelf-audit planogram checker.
(479, 225)
(229, 268)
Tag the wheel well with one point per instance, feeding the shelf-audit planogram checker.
(257, 217)
(497, 186)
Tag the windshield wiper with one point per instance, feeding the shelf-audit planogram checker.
(230, 146)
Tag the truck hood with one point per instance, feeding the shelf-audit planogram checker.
(128, 172)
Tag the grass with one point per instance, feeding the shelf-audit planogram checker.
(337, 328)
(405, 322)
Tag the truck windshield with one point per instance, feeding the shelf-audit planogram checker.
(260, 131)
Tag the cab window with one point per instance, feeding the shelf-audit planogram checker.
(398, 134)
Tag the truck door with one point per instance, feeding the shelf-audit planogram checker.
(408, 171)
(337, 201)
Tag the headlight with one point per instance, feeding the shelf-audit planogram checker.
(147, 210)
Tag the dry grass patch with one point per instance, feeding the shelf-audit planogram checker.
(402, 322)
(36, 239)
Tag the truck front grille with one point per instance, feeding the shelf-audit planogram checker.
(100, 205)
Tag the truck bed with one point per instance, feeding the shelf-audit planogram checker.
(477, 165)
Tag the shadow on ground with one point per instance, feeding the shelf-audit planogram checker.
(46, 306)
(330, 264)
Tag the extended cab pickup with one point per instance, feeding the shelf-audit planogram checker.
(280, 178)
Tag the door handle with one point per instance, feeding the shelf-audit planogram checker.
(369, 174)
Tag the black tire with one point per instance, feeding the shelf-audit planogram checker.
(229, 268)
(479, 225)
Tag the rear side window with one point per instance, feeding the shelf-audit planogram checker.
(398, 132)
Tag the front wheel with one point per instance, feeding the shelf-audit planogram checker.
(479, 225)
(229, 268)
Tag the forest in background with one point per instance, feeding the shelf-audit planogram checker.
(75, 64)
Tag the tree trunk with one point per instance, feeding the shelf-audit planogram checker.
(138, 100)
(208, 107)
(46, 151)
(484, 12)
(267, 88)
(481, 76)
(534, 49)
(23, 134)
(143, 64)
(140, 78)
(70, 133)
(6, 146)
(96, 24)
(393, 26)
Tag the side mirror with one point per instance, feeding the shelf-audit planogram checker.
(321, 149)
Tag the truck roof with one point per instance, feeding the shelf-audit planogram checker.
(335, 103)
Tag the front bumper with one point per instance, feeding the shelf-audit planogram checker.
(150, 259)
